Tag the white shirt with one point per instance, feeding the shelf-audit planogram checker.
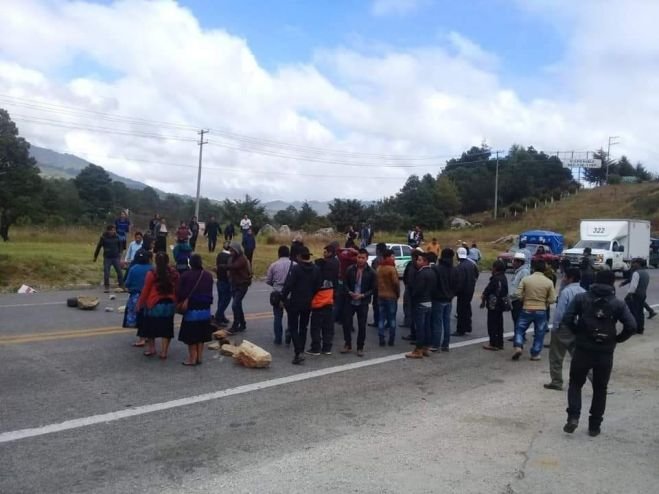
(633, 284)
(245, 224)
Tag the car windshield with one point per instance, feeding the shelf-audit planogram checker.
(593, 244)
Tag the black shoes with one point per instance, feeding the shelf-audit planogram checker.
(594, 432)
(382, 343)
(571, 425)
(458, 334)
(555, 386)
(652, 314)
(298, 360)
(409, 338)
(391, 342)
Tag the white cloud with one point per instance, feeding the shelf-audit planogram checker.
(152, 60)
(396, 7)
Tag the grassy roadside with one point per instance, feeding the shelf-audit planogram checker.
(53, 258)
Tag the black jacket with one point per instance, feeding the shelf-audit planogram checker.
(498, 286)
(368, 282)
(408, 274)
(446, 281)
(466, 276)
(301, 285)
(110, 244)
(581, 304)
(223, 258)
(425, 283)
(329, 271)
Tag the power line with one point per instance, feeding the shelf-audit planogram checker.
(71, 111)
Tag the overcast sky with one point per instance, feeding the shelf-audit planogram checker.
(319, 99)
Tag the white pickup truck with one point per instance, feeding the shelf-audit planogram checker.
(612, 242)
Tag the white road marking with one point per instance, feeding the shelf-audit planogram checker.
(32, 305)
(10, 436)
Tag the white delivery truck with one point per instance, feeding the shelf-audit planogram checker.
(612, 242)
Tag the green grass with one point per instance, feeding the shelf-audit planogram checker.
(50, 258)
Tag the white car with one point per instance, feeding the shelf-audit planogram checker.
(402, 255)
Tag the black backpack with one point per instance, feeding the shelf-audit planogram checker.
(598, 322)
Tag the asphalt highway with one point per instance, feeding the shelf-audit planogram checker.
(83, 411)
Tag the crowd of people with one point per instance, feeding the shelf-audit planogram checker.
(341, 284)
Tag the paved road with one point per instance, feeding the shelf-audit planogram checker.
(82, 411)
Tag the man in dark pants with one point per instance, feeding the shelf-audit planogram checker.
(223, 285)
(408, 280)
(111, 245)
(240, 277)
(425, 283)
(380, 249)
(211, 231)
(638, 287)
(359, 284)
(592, 317)
(322, 304)
(301, 285)
(466, 274)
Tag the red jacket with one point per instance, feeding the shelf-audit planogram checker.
(150, 294)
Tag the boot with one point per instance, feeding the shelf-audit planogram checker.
(426, 351)
(382, 341)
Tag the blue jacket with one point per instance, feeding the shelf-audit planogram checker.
(136, 276)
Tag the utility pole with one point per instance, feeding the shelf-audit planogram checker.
(612, 142)
(496, 188)
(201, 149)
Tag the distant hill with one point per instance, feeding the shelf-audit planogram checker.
(63, 165)
(320, 207)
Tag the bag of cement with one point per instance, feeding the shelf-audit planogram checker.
(87, 303)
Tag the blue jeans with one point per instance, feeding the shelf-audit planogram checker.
(423, 326)
(388, 310)
(112, 262)
(539, 320)
(223, 299)
(238, 293)
(441, 324)
(278, 313)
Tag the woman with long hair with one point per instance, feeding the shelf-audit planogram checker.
(134, 284)
(157, 303)
(195, 286)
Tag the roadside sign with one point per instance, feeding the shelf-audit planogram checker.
(582, 163)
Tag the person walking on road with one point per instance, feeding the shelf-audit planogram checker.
(196, 287)
(562, 339)
(587, 266)
(388, 289)
(380, 249)
(111, 245)
(322, 304)
(521, 265)
(474, 253)
(442, 298)
(359, 285)
(157, 303)
(300, 286)
(424, 285)
(467, 275)
(592, 317)
(638, 286)
(223, 285)
(212, 230)
(135, 284)
(408, 280)
(495, 298)
(536, 293)
(276, 276)
(240, 277)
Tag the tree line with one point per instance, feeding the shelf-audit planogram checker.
(464, 186)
